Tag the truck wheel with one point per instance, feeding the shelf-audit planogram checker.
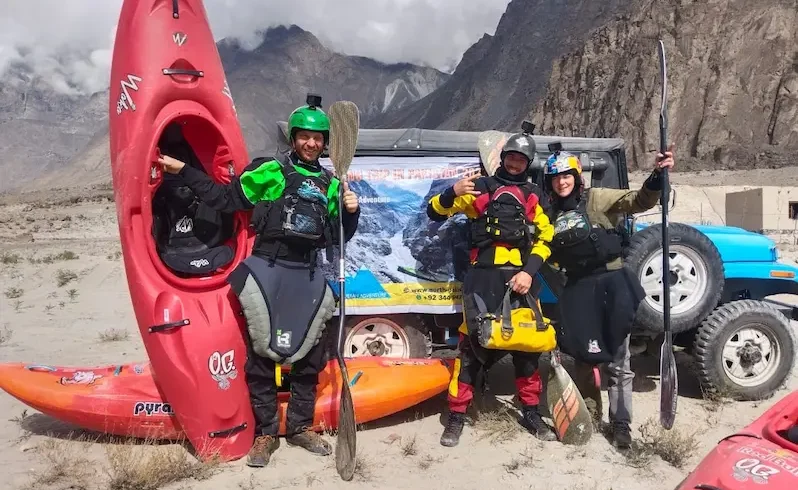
(745, 350)
(395, 336)
(696, 276)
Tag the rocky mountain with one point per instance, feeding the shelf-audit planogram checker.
(501, 77)
(51, 139)
(41, 129)
(733, 82)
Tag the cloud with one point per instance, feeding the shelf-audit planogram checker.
(69, 43)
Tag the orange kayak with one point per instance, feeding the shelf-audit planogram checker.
(125, 400)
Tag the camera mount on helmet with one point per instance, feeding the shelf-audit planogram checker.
(527, 127)
(313, 100)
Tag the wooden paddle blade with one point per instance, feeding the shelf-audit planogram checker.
(490, 149)
(344, 127)
(669, 384)
(346, 443)
(573, 423)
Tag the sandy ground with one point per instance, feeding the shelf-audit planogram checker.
(71, 325)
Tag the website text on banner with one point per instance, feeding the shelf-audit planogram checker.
(399, 261)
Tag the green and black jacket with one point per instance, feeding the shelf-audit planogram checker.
(263, 180)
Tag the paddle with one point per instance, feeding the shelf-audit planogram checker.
(490, 146)
(668, 393)
(344, 126)
(573, 422)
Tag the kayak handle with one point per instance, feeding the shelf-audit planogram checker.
(175, 12)
(167, 326)
(227, 432)
(183, 71)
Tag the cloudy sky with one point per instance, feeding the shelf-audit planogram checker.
(70, 41)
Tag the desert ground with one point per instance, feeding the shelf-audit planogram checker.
(66, 302)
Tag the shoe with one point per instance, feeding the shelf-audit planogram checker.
(621, 435)
(310, 441)
(535, 424)
(454, 428)
(262, 450)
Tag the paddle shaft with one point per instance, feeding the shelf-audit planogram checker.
(341, 279)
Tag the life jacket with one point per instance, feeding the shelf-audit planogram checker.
(503, 215)
(190, 236)
(582, 247)
(299, 218)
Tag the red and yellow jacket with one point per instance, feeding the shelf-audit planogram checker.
(446, 205)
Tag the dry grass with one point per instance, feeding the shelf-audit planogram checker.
(64, 466)
(5, 334)
(148, 467)
(49, 259)
(14, 293)
(426, 461)
(9, 258)
(64, 277)
(518, 463)
(363, 469)
(498, 425)
(131, 465)
(114, 335)
(72, 293)
(409, 448)
(673, 446)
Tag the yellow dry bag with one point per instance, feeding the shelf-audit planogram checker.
(523, 329)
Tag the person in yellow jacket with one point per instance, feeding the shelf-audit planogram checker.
(510, 233)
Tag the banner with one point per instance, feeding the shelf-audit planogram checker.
(400, 261)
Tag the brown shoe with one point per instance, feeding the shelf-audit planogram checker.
(262, 450)
(310, 441)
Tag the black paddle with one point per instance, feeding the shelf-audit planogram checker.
(667, 366)
(344, 126)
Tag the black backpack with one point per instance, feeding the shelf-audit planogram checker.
(504, 218)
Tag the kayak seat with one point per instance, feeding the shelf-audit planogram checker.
(191, 238)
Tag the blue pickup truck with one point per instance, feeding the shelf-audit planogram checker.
(403, 270)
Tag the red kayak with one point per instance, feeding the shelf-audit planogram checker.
(762, 455)
(168, 89)
(124, 400)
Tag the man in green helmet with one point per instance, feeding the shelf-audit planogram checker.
(286, 303)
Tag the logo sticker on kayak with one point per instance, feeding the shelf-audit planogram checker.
(226, 91)
(80, 378)
(754, 469)
(180, 38)
(222, 368)
(152, 408)
(125, 100)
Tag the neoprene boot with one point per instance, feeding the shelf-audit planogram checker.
(535, 424)
(262, 450)
(621, 435)
(310, 441)
(454, 428)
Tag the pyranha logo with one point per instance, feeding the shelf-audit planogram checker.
(222, 368)
(152, 408)
(184, 225)
(200, 263)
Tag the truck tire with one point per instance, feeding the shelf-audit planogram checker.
(696, 272)
(394, 336)
(745, 350)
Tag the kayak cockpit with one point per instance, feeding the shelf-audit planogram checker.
(191, 238)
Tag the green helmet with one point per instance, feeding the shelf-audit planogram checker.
(310, 118)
